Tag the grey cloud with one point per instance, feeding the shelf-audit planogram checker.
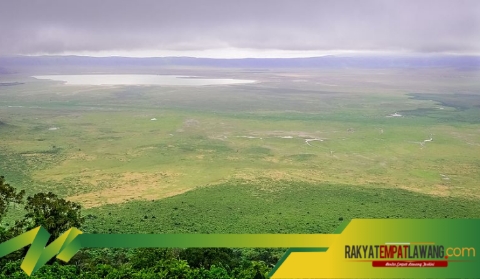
(54, 26)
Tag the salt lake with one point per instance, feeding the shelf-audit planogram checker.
(128, 79)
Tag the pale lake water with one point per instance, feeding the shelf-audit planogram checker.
(101, 79)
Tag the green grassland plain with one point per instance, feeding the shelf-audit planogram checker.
(297, 151)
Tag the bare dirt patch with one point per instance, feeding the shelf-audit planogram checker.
(437, 190)
(131, 186)
(82, 156)
(277, 175)
(440, 190)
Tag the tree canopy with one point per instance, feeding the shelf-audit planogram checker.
(55, 214)
(8, 195)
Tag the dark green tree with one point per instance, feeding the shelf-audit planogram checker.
(149, 257)
(251, 270)
(206, 257)
(55, 214)
(8, 195)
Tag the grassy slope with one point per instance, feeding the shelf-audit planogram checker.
(107, 150)
(271, 207)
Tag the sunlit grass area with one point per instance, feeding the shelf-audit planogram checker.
(100, 145)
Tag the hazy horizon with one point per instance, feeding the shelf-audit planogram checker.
(246, 29)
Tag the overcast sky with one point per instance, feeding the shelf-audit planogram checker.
(244, 28)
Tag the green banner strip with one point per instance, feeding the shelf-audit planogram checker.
(205, 240)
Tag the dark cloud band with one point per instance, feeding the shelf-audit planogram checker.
(56, 26)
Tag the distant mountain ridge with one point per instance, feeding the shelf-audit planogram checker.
(332, 62)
